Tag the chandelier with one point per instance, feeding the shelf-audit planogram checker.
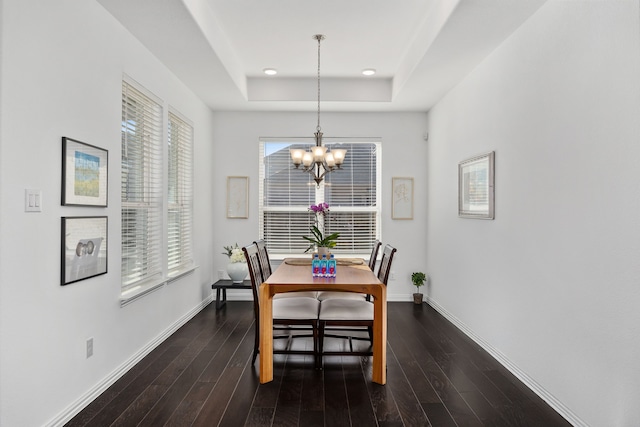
(318, 161)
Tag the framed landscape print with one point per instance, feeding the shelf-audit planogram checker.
(84, 174)
(476, 187)
(84, 248)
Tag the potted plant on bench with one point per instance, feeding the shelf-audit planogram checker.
(418, 280)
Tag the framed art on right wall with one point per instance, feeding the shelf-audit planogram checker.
(476, 187)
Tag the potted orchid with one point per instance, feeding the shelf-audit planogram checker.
(318, 239)
(237, 268)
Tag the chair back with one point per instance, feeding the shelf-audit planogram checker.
(263, 256)
(385, 265)
(374, 254)
(253, 262)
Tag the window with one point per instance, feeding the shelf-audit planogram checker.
(141, 190)
(352, 194)
(180, 194)
(154, 245)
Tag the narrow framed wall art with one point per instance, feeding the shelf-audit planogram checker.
(402, 206)
(237, 197)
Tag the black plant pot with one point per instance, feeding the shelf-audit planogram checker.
(417, 298)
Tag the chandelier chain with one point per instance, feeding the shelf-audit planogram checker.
(319, 37)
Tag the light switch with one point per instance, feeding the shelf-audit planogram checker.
(32, 200)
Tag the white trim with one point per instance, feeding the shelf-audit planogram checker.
(179, 274)
(511, 367)
(84, 400)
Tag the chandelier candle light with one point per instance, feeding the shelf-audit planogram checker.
(318, 162)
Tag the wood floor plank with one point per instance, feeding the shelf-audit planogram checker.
(406, 400)
(190, 370)
(260, 417)
(442, 382)
(312, 403)
(241, 342)
(133, 390)
(287, 413)
(239, 406)
(384, 405)
(360, 406)
(335, 396)
(412, 367)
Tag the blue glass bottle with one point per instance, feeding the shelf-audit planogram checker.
(323, 266)
(332, 264)
(315, 266)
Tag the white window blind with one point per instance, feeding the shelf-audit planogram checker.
(141, 190)
(180, 194)
(352, 194)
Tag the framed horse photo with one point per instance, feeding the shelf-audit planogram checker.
(84, 248)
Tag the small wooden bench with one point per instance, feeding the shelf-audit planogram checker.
(223, 285)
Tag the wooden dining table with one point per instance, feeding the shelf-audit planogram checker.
(293, 276)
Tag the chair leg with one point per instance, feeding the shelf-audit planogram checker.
(256, 343)
(320, 345)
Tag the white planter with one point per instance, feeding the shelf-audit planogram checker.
(237, 271)
(322, 250)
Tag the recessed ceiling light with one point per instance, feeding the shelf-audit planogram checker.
(270, 71)
(369, 71)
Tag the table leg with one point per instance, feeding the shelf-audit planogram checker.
(380, 338)
(220, 302)
(266, 334)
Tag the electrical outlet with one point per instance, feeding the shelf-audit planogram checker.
(392, 275)
(220, 274)
(89, 347)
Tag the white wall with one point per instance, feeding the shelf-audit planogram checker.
(61, 71)
(404, 154)
(551, 285)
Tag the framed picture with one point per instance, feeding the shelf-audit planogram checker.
(475, 187)
(237, 197)
(84, 248)
(402, 206)
(84, 174)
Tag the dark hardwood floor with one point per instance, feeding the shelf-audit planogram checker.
(202, 376)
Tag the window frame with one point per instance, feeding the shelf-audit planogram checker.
(319, 194)
(184, 193)
(158, 256)
(146, 245)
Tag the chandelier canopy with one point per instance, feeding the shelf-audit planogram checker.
(318, 161)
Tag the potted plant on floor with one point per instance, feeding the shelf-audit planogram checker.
(418, 280)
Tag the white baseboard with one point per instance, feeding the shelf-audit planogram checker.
(512, 367)
(84, 400)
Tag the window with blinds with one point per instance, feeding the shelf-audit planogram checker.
(352, 194)
(141, 187)
(180, 194)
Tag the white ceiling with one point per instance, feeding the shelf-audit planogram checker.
(420, 48)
